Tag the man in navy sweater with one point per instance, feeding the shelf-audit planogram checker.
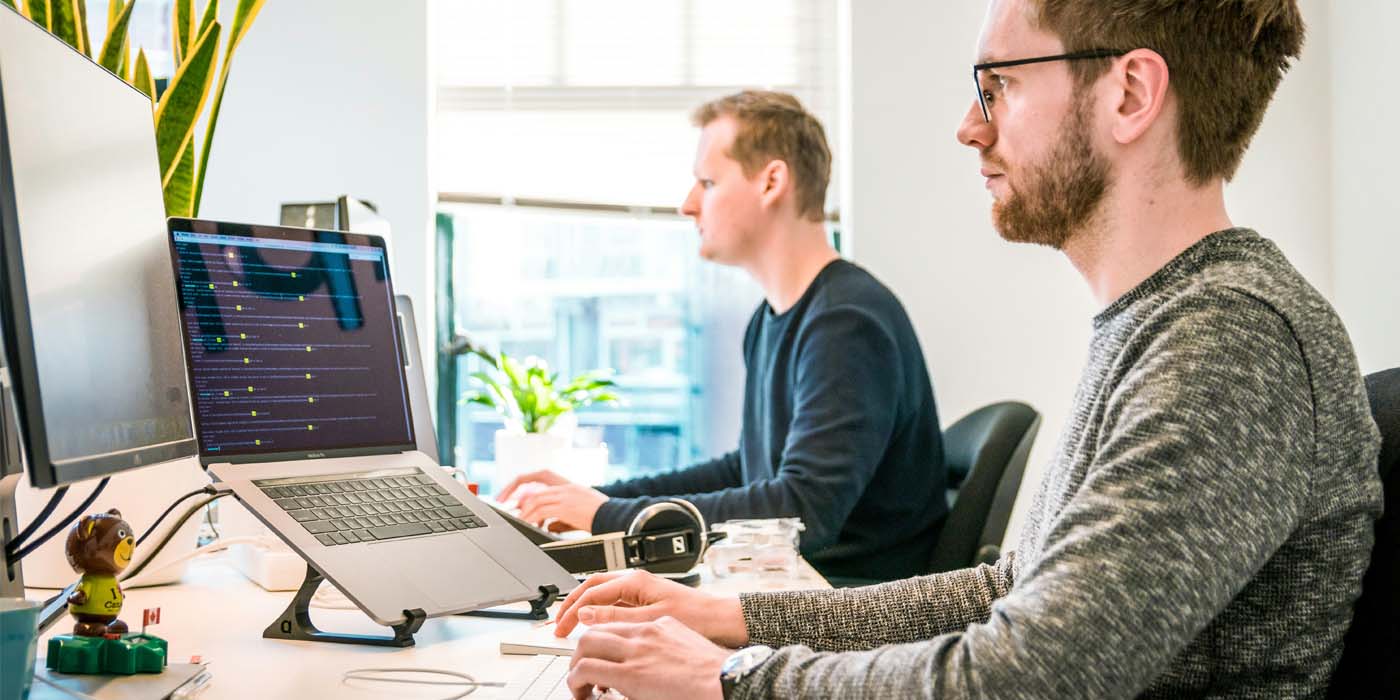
(839, 424)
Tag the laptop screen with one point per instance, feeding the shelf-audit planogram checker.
(290, 338)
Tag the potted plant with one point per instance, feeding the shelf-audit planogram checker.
(539, 414)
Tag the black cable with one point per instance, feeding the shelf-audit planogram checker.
(178, 501)
(18, 540)
(61, 526)
(169, 535)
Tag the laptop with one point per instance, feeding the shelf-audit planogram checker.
(302, 409)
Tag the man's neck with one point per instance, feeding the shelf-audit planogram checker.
(794, 256)
(1139, 230)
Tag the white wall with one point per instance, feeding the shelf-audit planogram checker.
(330, 97)
(1366, 205)
(1000, 321)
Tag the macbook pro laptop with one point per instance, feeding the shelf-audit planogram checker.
(302, 409)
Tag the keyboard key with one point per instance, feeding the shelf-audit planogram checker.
(326, 540)
(377, 520)
(318, 527)
(364, 535)
(463, 523)
(437, 526)
(356, 510)
(302, 516)
(341, 525)
(405, 530)
(458, 511)
(339, 538)
(361, 523)
(286, 503)
(351, 535)
(437, 489)
(447, 501)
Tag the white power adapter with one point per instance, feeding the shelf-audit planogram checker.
(267, 561)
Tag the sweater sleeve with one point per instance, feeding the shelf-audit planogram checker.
(843, 419)
(891, 613)
(715, 475)
(1200, 473)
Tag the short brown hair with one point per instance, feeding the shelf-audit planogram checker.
(1226, 59)
(774, 126)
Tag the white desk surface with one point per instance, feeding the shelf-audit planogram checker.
(219, 615)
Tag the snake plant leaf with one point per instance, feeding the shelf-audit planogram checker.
(243, 17)
(114, 46)
(211, 13)
(179, 108)
(142, 77)
(181, 29)
(180, 187)
(10, 3)
(63, 23)
(83, 28)
(38, 10)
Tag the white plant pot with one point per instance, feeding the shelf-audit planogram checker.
(520, 453)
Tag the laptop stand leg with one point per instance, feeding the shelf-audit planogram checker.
(539, 607)
(295, 622)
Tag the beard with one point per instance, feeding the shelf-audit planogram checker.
(1059, 196)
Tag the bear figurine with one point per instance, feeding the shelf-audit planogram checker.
(99, 547)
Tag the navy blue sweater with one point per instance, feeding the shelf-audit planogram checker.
(839, 429)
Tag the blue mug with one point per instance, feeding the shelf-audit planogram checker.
(19, 636)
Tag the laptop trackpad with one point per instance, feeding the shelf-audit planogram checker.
(453, 572)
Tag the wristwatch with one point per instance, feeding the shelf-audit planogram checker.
(740, 664)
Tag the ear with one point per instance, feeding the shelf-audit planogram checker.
(85, 527)
(1140, 86)
(774, 180)
(115, 513)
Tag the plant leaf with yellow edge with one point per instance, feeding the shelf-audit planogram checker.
(178, 189)
(243, 17)
(211, 13)
(63, 22)
(142, 77)
(38, 10)
(178, 109)
(113, 46)
(83, 28)
(11, 3)
(181, 28)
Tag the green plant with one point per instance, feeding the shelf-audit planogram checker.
(179, 105)
(529, 396)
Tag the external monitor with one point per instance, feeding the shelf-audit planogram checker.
(90, 319)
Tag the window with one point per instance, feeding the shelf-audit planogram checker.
(561, 147)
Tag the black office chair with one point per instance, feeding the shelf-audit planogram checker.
(1368, 668)
(985, 453)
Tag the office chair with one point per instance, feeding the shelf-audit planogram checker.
(985, 452)
(1368, 667)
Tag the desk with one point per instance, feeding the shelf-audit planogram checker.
(218, 614)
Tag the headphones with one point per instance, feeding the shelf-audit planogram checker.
(668, 537)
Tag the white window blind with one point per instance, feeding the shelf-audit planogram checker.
(589, 100)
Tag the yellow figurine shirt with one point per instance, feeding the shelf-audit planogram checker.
(104, 596)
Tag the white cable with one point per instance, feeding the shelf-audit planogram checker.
(218, 545)
(382, 675)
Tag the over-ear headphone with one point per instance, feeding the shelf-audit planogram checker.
(668, 537)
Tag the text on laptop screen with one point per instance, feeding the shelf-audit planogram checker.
(291, 343)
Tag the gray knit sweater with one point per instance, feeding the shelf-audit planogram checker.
(1201, 532)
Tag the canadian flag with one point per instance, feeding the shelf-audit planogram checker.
(149, 616)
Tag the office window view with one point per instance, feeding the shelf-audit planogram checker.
(559, 159)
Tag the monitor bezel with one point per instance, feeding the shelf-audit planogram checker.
(20, 356)
(278, 232)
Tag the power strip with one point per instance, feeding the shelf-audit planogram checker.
(274, 567)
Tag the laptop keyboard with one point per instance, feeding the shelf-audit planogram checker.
(370, 506)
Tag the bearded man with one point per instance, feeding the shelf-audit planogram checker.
(1206, 519)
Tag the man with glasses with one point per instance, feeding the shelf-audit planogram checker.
(1205, 522)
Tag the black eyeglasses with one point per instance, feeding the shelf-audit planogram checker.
(985, 95)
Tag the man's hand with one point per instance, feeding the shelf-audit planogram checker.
(544, 476)
(640, 596)
(661, 659)
(570, 505)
